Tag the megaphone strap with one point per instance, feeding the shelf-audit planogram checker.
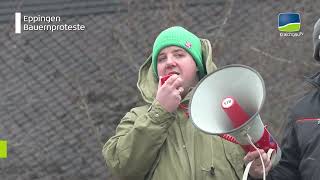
(229, 138)
(184, 108)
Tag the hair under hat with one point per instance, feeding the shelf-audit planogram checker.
(178, 36)
(316, 40)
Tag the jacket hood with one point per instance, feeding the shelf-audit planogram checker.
(314, 79)
(316, 40)
(148, 83)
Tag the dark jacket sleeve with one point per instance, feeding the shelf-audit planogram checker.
(288, 167)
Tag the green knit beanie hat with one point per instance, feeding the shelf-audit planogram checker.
(178, 36)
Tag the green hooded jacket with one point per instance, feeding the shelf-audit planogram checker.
(152, 144)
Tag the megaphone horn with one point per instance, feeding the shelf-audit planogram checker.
(227, 102)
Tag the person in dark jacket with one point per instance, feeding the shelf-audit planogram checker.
(301, 143)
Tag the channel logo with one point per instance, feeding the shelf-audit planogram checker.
(289, 22)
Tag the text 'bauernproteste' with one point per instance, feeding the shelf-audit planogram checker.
(32, 23)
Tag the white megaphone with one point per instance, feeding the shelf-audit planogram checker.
(227, 102)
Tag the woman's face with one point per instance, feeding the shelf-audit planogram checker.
(176, 60)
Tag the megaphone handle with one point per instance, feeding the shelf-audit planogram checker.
(246, 171)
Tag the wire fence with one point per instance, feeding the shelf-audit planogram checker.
(63, 93)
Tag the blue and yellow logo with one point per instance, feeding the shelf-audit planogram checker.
(289, 22)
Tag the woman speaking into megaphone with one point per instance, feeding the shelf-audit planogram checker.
(158, 141)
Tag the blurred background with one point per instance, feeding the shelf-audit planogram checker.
(62, 93)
